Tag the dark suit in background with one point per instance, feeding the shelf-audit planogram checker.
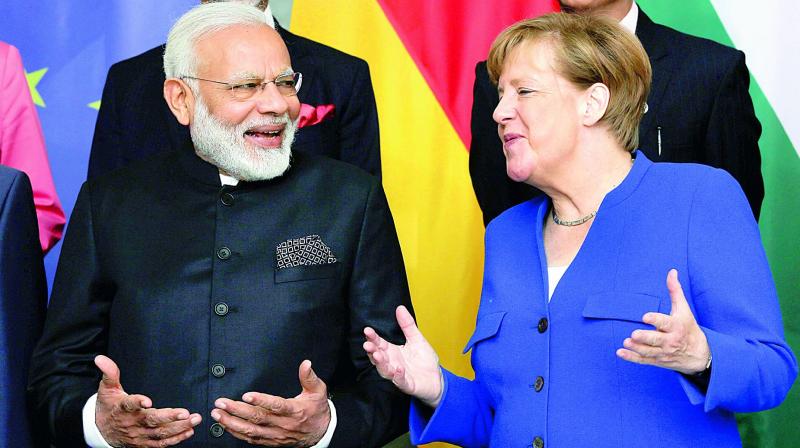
(134, 120)
(177, 279)
(699, 110)
(23, 297)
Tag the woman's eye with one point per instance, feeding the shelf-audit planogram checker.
(524, 92)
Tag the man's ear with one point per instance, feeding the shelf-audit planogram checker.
(597, 97)
(180, 99)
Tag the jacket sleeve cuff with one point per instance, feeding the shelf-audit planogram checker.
(91, 433)
(326, 439)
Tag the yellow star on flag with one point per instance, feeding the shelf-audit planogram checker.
(94, 105)
(33, 81)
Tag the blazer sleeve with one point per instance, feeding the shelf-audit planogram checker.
(359, 136)
(23, 295)
(462, 418)
(733, 132)
(22, 145)
(372, 411)
(63, 374)
(106, 143)
(735, 303)
(495, 191)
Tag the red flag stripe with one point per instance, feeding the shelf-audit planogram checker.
(446, 38)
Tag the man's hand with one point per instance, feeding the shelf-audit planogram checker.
(412, 367)
(267, 420)
(130, 420)
(677, 343)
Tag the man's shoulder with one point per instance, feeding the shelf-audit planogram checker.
(147, 63)
(331, 171)
(325, 54)
(145, 171)
(8, 177)
(682, 42)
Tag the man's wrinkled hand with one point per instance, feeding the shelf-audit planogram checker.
(130, 420)
(268, 420)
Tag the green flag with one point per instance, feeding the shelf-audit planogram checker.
(765, 32)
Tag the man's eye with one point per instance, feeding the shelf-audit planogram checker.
(245, 86)
(285, 82)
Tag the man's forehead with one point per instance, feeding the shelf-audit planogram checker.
(244, 50)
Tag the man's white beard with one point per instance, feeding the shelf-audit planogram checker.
(225, 147)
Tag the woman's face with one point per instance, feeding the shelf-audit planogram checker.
(538, 118)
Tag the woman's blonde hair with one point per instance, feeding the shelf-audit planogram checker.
(588, 50)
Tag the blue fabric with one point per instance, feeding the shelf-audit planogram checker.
(22, 301)
(685, 216)
(699, 110)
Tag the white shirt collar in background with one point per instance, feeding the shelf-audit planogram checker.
(628, 22)
(271, 20)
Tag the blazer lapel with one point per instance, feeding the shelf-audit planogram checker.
(658, 51)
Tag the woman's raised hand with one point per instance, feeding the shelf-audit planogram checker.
(412, 367)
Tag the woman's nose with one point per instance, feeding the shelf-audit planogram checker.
(505, 110)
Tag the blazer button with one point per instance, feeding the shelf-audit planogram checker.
(538, 384)
(216, 430)
(538, 442)
(226, 199)
(218, 370)
(221, 309)
(542, 325)
(223, 253)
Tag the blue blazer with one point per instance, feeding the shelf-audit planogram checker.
(134, 121)
(23, 296)
(549, 370)
(699, 110)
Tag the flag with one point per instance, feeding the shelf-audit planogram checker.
(67, 48)
(422, 58)
(765, 32)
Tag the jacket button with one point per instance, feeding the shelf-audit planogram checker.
(538, 384)
(221, 309)
(226, 199)
(542, 327)
(538, 442)
(218, 370)
(224, 253)
(216, 430)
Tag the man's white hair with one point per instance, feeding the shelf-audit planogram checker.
(180, 58)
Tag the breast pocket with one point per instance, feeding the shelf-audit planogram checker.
(623, 306)
(486, 328)
(614, 315)
(311, 272)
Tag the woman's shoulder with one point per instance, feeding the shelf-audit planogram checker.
(523, 213)
(691, 176)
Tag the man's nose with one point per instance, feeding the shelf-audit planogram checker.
(270, 101)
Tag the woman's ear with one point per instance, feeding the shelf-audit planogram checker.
(597, 97)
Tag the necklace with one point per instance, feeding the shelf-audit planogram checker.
(573, 223)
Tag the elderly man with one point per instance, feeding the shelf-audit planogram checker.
(133, 121)
(699, 110)
(211, 278)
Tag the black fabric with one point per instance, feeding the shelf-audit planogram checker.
(141, 274)
(23, 296)
(699, 103)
